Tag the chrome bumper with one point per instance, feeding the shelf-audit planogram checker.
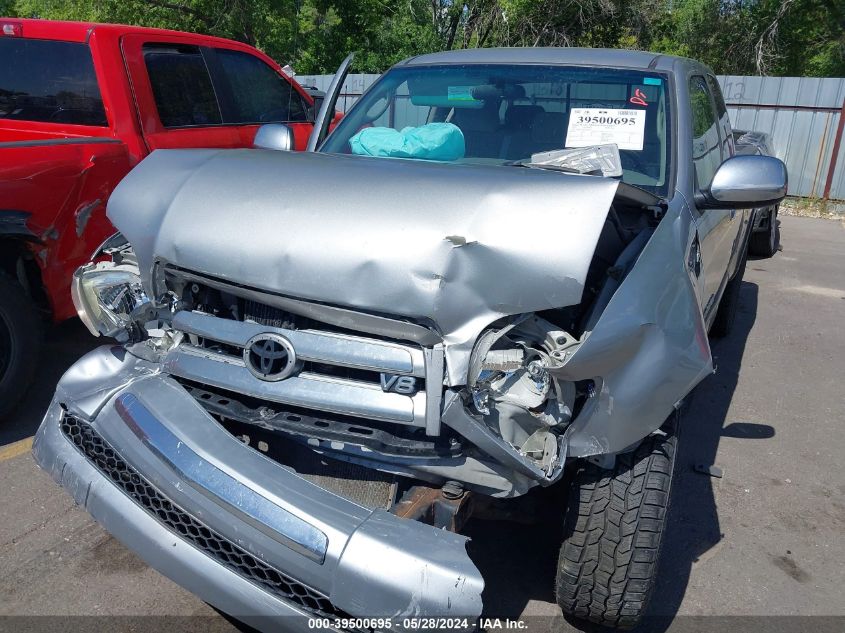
(365, 563)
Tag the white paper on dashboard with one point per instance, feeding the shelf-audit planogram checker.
(600, 126)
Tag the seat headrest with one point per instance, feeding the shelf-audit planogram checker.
(484, 119)
(515, 91)
(522, 116)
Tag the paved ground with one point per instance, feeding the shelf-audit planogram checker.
(767, 538)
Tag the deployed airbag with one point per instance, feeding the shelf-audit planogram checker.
(432, 141)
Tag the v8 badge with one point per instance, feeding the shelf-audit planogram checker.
(406, 385)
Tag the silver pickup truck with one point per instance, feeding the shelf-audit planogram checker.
(496, 275)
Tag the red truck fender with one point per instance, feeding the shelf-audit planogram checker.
(62, 186)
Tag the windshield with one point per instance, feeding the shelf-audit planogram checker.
(503, 114)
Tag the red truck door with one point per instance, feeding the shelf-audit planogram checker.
(190, 94)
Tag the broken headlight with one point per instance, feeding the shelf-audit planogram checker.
(511, 382)
(110, 299)
(510, 375)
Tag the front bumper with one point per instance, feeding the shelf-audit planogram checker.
(156, 471)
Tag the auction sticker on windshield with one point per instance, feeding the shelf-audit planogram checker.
(599, 126)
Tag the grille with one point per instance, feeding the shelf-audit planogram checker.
(111, 464)
(268, 315)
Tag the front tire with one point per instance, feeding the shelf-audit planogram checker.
(614, 523)
(20, 343)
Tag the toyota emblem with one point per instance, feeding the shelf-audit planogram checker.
(269, 357)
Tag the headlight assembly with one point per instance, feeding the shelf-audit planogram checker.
(110, 299)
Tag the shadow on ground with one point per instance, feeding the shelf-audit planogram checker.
(519, 562)
(63, 345)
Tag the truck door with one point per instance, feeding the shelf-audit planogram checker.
(742, 217)
(192, 95)
(717, 228)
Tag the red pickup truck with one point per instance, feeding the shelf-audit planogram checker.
(80, 105)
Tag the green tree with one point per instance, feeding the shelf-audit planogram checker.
(794, 37)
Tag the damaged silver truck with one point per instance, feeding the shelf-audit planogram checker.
(498, 273)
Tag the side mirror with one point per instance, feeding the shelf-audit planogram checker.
(745, 182)
(276, 136)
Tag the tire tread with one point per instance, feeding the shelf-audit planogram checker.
(613, 529)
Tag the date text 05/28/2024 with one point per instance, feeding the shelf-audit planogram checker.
(414, 624)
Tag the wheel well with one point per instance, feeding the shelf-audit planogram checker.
(18, 262)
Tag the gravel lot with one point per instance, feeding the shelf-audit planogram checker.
(768, 538)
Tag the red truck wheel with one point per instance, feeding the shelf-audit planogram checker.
(20, 343)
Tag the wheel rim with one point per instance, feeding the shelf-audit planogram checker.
(5, 347)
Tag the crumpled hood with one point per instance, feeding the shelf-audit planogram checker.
(459, 246)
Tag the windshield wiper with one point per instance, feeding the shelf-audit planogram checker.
(526, 162)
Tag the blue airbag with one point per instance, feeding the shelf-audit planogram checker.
(432, 141)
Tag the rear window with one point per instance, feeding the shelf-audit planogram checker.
(51, 82)
(182, 87)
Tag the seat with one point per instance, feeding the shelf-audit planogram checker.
(481, 129)
(548, 132)
(519, 120)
